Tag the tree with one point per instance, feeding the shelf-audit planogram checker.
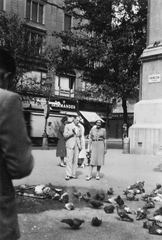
(15, 37)
(106, 44)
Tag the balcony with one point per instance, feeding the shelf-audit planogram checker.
(64, 92)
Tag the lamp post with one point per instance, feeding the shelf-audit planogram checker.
(46, 115)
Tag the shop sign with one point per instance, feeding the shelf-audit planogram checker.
(62, 104)
(57, 104)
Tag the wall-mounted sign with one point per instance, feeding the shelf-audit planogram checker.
(62, 104)
(59, 104)
(153, 78)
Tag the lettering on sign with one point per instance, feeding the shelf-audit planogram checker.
(153, 78)
(61, 105)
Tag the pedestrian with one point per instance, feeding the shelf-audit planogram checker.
(88, 153)
(74, 144)
(97, 147)
(61, 148)
(16, 160)
(82, 153)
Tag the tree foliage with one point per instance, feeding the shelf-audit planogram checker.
(14, 36)
(106, 42)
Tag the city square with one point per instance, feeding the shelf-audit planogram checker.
(80, 126)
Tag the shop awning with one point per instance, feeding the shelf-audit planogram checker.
(91, 116)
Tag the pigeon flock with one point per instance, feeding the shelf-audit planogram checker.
(108, 202)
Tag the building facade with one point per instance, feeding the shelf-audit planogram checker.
(42, 18)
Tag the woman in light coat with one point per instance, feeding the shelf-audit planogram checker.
(97, 147)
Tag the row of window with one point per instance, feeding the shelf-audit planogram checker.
(35, 11)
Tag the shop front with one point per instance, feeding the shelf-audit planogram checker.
(35, 120)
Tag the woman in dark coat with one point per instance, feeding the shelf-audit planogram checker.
(61, 149)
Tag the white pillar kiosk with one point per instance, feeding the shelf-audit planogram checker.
(146, 132)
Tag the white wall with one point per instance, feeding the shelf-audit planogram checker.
(38, 122)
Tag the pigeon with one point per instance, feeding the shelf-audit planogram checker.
(155, 229)
(96, 222)
(129, 210)
(145, 196)
(149, 204)
(58, 190)
(25, 187)
(96, 204)
(110, 191)
(157, 218)
(158, 185)
(158, 211)
(77, 194)
(99, 196)
(54, 196)
(131, 197)
(127, 191)
(69, 206)
(138, 185)
(119, 201)
(38, 190)
(157, 198)
(111, 200)
(109, 209)
(147, 224)
(142, 213)
(64, 197)
(123, 215)
(87, 197)
(74, 223)
(158, 188)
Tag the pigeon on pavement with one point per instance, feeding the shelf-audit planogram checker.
(123, 215)
(142, 213)
(109, 209)
(96, 222)
(64, 197)
(149, 204)
(147, 224)
(119, 200)
(158, 211)
(110, 191)
(128, 210)
(99, 196)
(155, 229)
(96, 204)
(87, 197)
(157, 218)
(69, 206)
(74, 223)
(77, 194)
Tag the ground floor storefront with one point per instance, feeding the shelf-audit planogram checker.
(90, 111)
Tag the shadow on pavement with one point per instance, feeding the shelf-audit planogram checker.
(36, 205)
(159, 168)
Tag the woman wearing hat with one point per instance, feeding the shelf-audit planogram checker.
(98, 148)
(61, 148)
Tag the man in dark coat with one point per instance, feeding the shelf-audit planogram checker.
(16, 160)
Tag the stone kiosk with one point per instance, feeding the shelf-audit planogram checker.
(146, 132)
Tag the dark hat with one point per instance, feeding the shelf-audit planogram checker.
(64, 119)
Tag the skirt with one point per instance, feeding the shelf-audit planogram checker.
(61, 149)
(97, 154)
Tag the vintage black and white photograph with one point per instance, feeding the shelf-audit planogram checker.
(80, 119)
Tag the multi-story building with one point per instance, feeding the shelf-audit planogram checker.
(42, 18)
